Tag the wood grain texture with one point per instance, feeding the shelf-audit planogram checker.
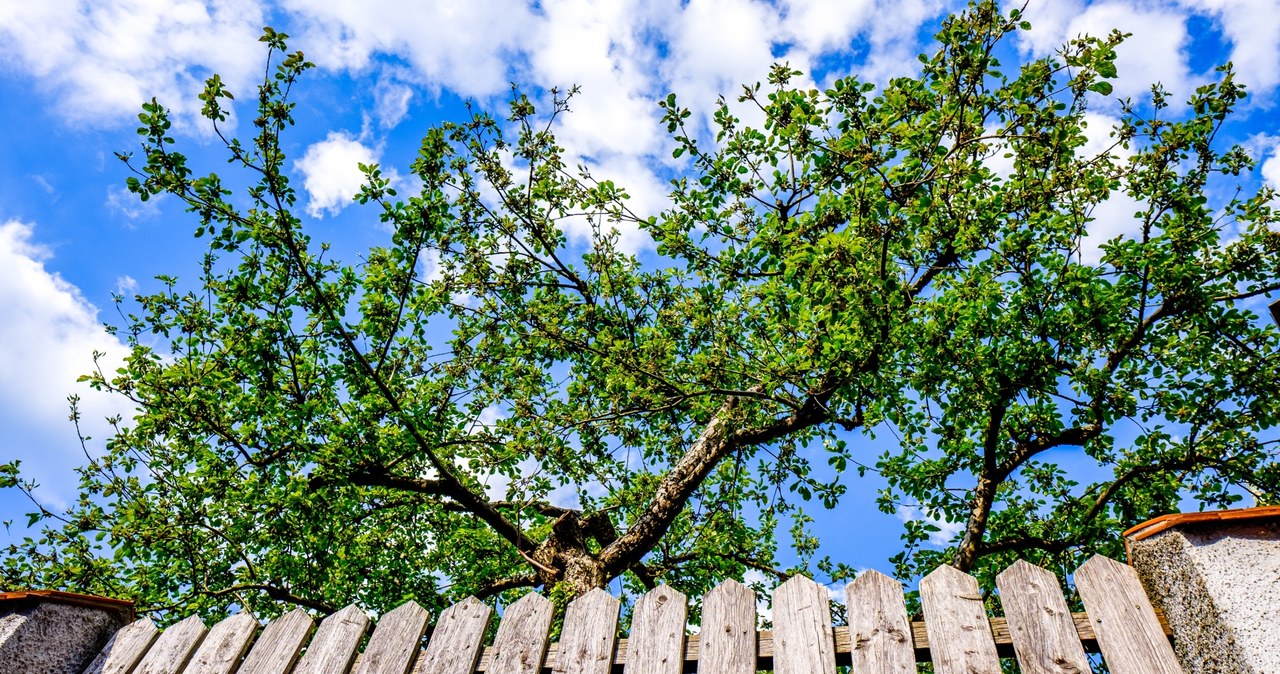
(1129, 634)
(277, 649)
(803, 639)
(959, 633)
(879, 630)
(395, 641)
(520, 646)
(728, 636)
(125, 648)
(656, 642)
(333, 648)
(589, 635)
(171, 650)
(223, 646)
(457, 640)
(1044, 636)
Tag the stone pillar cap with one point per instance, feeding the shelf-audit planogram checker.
(1155, 526)
(122, 606)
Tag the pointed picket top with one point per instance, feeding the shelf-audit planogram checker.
(960, 639)
(223, 646)
(879, 630)
(1040, 625)
(334, 646)
(394, 644)
(125, 648)
(656, 643)
(1129, 634)
(277, 649)
(589, 635)
(523, 636)
(457, 639)
(803, 639)
(728, 636)
(173, 648)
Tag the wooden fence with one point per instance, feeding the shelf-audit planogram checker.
(956, 634)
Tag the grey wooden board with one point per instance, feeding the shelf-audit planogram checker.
(172, 648)
(125, 648)
(960, 640)
(333, 648)
(277, 649)
(655, 644)
(589, 635)
(879, 630)
(803, 640)
(520, 646)
(223, 646)
(395, 641)
(728, 637)
(457, 639)
(1129, 634)
(1040, 624)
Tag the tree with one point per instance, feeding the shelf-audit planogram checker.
(313, 432)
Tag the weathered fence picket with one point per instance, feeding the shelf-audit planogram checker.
(1128, 632)
(125, 649)
(172, 649)
(1040, 624)
(956, 634)
(333, 648)
(225, 644)
(520, 646)
(395, 641)
(728, 636)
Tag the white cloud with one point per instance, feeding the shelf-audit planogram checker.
(602, 47)
(466, 47)
(126, 285)
(1271, 166)
(429, 268)
(127, 204)
(47, 340)
(1156, 52)
(648, 196)
(331, 172)
(946, 530)
(1253, 28)
(391, 102)
(820, 25)
(1115, 216)
(718, 45)
(101, 60)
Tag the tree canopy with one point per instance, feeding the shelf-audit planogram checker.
(531, 410)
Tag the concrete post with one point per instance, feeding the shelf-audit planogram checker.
(1216, 576)
(46, 632)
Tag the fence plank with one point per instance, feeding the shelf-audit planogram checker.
(879, 630)
(1128, 633)
(656, 642)
(125, 648)
(803, 640)
(395, 641)
(589, 635)
(1044, 636)
(172, 648)
(223, 646)
(521, 644)
(333, 648)
(960, 640)
(277, 648)
(728, 637)
(457, 639)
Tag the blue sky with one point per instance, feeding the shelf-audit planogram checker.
(73, 74)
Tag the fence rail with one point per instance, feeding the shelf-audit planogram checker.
(956, 635)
